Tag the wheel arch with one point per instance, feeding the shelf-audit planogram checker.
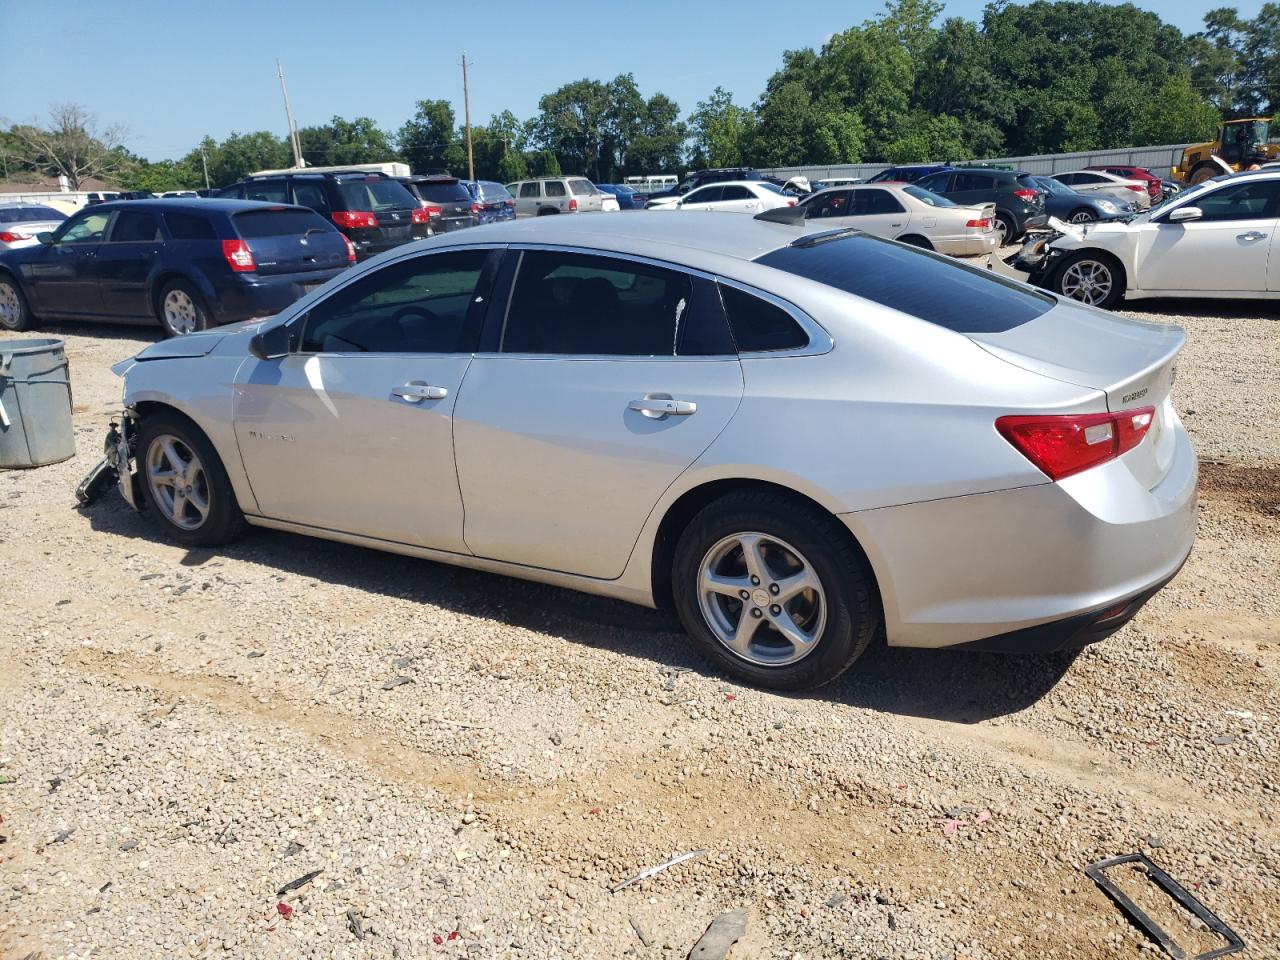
(166, 275)
(916, 240)
(1069, 256)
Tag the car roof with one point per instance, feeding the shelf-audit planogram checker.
(196, 205)
(729, 183)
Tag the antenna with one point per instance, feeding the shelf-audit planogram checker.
(294, 142)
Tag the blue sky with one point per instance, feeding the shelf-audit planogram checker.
(172, 71)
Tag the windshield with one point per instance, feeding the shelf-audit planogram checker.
(928, 196)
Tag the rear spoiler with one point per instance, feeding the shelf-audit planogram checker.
(792, 216)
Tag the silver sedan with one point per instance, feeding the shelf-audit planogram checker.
(800, 441)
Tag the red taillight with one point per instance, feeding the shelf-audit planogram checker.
(791, 203)
(1136, 187)
(475, 208)
(354, 219)
(982, 224)
(351, 250)
(433, 210)
(573, 204)
(1061, 445)
(1026, 193)
(421, 215)
(239, 256)
(7, 237)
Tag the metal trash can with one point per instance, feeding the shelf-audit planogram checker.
(35, 403)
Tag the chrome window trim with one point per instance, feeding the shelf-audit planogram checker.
(820, 341)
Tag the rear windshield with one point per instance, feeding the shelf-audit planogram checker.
(927, 196)
(443, 192)
(582, 188)
(927, 286)
(375, 195)
(279, 223)
(29, 214)
(1026, 180)
(494, 191)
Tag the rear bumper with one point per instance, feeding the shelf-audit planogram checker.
(247, 297)
(1031, 568)
(965, 246)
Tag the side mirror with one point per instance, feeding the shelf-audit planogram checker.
(45, 237)
(1183, 214)
(272, 343)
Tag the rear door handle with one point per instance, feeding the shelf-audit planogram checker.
(661, 406)
(415, 391)
(1251, 235)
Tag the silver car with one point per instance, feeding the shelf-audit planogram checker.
(548, 195)
(22, 223)
(798, 440)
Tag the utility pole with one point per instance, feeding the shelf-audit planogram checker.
(204, 162)
(293, 130)
(466, 110)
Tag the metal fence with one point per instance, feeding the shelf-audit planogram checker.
(1160, 158)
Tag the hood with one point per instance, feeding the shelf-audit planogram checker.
(199, 344)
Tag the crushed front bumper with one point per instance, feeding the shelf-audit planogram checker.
(118, 466)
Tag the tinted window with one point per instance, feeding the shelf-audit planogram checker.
(88, 228)
(375, 194)
(875, 201)
(936, 182)
(529, 190)
(736, 193)
(832, 203)
(413, 306)
(930, 287)
(279, 223)
(972, 181)
(272, 191)
(234, 192)
(571, 303)
(189, 226)
(493, 191)
(1026, 180)
(928, 196)
(1067, 178)
(444, 192)
(705, 195)
(554, 188)
(311, 195)
(582, 188)
(760, 325)
(1248, 201)
(29, 214)
(1089, 178)
(135, 226)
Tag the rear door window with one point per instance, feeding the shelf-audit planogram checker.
(566, 303)
(554, 188)
(529, 190)
(933, 288)
(311, 195)
(877, 201)
(833, 203)
(734, 192)
(704, 195)
(253, 224)
(272, 191)
(136, 226)
(971, 181)
(581, 188)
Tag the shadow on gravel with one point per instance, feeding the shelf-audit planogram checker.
(958, 687)
(101, 331)
(1211, 309)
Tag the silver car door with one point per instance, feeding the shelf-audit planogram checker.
(569, 433)
(353, 431)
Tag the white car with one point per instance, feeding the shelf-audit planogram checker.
(608, 203)
(837, 182)
(733, 196)
(1107, 184)
(910, 214)
(1216, 239)
(22, 223)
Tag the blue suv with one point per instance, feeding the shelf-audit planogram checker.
(187, 264)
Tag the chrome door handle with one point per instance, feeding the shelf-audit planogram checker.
(415, 391)
(1251, 235)
(661, 407)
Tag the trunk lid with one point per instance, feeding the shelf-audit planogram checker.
(1130, 361)
(290, 240)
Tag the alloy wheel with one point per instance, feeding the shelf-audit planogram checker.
(1087, 281)
(180, 312)
(1082, 216)
(178, 482)
(762, 599)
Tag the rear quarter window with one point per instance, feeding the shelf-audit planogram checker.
(924, 285)
(278, 223)
(582, 188)
(759, 325)
(189, 226)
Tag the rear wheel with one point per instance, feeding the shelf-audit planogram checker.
(185, 484)
(180, 309)
(14, 313)
(1090, 277)
(1005, 230)
(1083, 215)
(773, 590)
(547, 211)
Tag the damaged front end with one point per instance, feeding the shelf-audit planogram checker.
(118, 467)
(1037, 256)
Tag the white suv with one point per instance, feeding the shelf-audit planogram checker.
(537, 198)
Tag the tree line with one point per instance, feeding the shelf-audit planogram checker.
(909, 85)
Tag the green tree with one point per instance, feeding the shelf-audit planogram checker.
(238, 155)
(1176, 114)
(926, 137)
(345, 141)
(657, 145)
(429, 141)
(720, 128)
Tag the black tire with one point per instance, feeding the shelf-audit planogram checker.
(547, 211)
(1006, 230)
(1061, 278)
(915, 240)
(223, 521)
(202, 319)
(15, 313)
(852, 607)
(1082, 215)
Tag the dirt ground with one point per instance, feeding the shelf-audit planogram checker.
(186, 732)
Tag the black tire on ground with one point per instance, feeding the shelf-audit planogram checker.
(1006, 231)
(915, 240)
(223, 521)
(1089, 262)
(201, 319)
(15, 313)
(853, 614)
(1083, 215)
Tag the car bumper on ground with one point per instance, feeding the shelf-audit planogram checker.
(1034, 568)
(965, 246)
(263, 296)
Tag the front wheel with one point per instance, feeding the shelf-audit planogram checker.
(15, 315)
(1083, 215)
(774, 590)
(185, 484)
(1090, 277)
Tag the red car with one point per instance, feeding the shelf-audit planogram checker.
(1135, 173)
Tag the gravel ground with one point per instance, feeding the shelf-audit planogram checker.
(186, 732)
